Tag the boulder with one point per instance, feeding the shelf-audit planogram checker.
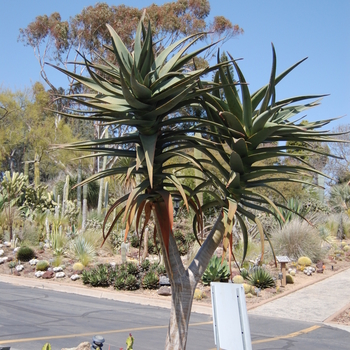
(74, 277)
(165, 291)
(39, 274)
(48, 275)
(16, 273)
(1, 252)
(60, 274)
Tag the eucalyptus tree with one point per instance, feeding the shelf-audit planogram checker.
(147, 92)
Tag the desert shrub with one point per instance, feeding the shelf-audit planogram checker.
(216, 271)
(31, 234)
(25, 253)
(261, 278)
(42, 265)
(57, 261)
(150, 280)
(253, 250)
(298, 238)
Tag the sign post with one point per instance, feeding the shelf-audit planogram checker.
(230, 317)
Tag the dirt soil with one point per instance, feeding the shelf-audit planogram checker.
(331, 266)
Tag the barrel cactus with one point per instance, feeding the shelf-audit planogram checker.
(304, 261)
(42, 265)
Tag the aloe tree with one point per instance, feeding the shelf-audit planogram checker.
(147, 93)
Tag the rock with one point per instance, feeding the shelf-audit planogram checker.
(1, 245)
(2, 252)
(7, 244)
(74, 277)
(164, 281)
(33, 262)
(9, 258)
(48, 275)
(2, 260)
(16, 249)
(60, 275)
(165, 291)
(82, 346)
(319, 270)
(113, 264)
(19, 267)
(16, 273)
(57, 269)
(39, 274)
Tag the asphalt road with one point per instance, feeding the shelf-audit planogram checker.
(30, 317)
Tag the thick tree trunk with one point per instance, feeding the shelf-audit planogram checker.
(184, 281)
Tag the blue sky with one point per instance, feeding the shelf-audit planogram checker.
(317, 29)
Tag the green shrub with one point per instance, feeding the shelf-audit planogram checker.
(42, 265)
(135, 241)
(25, 254)
(150, 280)
(131, 283)
(216, 272)
(161, 270)
(261, 278)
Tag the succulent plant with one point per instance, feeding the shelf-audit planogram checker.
(216, 271)
(131, 283)
(42, 265)
(304, 261)
(78, 266)
(145, 265)
(132, 269)
(150, 280)
(119, 283)
(261, 278)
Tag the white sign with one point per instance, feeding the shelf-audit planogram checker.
(230, 317)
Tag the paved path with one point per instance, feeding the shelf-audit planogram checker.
(315, 303)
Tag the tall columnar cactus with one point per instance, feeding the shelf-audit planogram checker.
(79, 189)
(65, 194)
(85, 191)
(106, 195)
